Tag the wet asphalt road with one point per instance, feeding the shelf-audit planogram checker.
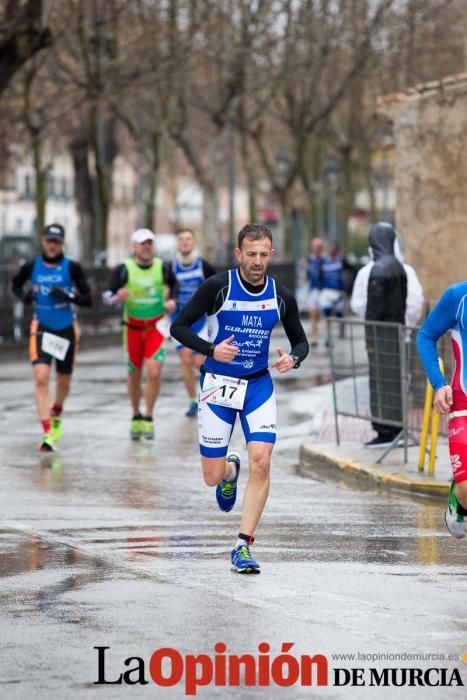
(110, 543)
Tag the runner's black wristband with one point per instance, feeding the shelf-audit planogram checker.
(296, 360)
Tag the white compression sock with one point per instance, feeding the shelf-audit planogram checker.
(233, 472)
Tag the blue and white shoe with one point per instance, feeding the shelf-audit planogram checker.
(192, 411)
(243, 562)
(226, 491)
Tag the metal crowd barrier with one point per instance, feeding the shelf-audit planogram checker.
(377, 376)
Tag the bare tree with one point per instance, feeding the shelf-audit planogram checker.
(142, 96)
(294, 81)
(84, 60)
(315, 71)
(24, 32)
(219, 38)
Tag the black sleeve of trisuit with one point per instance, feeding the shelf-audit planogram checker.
(208, 270)
(118, 278)
(83, 297)
(20, 279)
(170, 279)
(202, 302)
(290, 318)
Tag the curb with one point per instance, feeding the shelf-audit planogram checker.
(321, 460)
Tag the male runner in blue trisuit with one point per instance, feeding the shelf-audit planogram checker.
(57, 283)
(243, 306)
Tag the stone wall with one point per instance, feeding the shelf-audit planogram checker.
(430, 133)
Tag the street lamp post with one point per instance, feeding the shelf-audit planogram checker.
(331, 176)
(95, 42)
(282, 162)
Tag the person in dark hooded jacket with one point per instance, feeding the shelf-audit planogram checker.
(387, 284)
(386, 301)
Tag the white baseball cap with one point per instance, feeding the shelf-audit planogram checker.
(141, 235)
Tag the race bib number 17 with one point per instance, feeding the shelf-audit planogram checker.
(223, 391)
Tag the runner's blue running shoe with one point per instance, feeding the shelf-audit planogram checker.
(192, 411)
(226, 491)
(243, 562)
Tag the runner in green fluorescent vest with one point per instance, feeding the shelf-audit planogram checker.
(147, 288)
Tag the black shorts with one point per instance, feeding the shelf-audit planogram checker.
(39, 357)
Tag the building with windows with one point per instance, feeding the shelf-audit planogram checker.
(18, 206)
(179, 202)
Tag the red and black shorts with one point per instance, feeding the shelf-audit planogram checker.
(39, 357)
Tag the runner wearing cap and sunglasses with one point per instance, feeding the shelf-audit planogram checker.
(57, 283)
(141, 283)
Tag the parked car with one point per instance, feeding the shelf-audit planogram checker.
(16, 249)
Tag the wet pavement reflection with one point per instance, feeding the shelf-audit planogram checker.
(109, 542)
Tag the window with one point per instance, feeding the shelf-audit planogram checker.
(28, 190)
(50, 186)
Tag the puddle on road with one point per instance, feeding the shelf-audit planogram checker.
(36, 575)
(21, 553)
(381, 531)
